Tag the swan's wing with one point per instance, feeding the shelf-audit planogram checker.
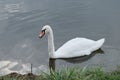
(77, 47)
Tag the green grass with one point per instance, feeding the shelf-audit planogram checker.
(75, 73)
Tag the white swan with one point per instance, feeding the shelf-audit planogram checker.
(73, 48)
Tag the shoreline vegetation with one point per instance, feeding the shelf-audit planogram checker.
(68, 73)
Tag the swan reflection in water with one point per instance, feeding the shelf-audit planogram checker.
(75, 59)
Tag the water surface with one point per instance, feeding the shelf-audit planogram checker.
(22, 20)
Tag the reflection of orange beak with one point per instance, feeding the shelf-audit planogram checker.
(42, 33)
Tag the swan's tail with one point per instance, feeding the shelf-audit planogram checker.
(98, 44)
(101, 41)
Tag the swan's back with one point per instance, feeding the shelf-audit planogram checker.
(78, 47)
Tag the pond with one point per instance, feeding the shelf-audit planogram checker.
(22, 20)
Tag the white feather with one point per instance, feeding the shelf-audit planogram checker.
(78, 47)
(73, 48)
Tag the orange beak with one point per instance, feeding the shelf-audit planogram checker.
(42, 33)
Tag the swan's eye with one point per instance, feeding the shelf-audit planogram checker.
(43, 30)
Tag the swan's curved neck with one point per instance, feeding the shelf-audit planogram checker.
(51, 48)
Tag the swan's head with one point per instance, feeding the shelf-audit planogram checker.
(46, 29)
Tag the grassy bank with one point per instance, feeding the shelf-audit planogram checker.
(69, 74)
